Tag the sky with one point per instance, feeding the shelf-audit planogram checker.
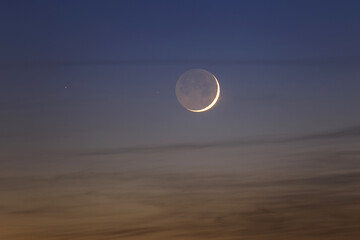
(91, 129)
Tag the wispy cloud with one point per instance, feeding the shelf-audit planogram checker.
(347, 132)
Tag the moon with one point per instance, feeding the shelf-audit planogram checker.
(197, 90)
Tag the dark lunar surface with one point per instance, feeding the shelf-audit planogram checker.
(196, 89)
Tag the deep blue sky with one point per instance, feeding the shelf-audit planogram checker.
(97, 74)
(137, 30)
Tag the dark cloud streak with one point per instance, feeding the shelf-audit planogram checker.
(347, 132)
(353, 60)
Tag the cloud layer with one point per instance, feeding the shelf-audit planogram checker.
(299, 188)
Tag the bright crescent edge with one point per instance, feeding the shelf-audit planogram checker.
(213, 102)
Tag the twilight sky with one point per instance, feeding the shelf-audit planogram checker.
(94, 144)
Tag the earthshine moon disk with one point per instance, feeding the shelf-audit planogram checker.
(197, 90)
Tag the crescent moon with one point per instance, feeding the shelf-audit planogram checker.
(213, 102)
